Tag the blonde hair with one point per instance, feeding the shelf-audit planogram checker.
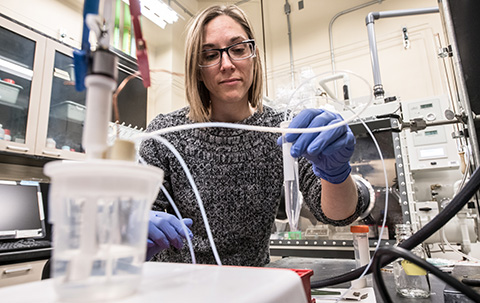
(197, 93)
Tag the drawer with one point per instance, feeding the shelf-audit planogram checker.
(21, 272)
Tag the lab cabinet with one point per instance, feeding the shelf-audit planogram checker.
(22, 52)
(41, 112)
(62, 108)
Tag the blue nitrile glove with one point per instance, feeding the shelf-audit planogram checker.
(164, 230)
(328, 151)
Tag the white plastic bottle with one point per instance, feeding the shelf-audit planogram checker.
(362, 252)
(2, 133)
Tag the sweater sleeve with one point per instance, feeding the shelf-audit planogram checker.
(311, 187)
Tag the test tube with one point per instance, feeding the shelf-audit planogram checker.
(293, 196)
(362, 252)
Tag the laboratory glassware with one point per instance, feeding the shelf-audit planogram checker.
(99, 211)
(411, 281)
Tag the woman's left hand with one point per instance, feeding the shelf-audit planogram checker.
(329, 151)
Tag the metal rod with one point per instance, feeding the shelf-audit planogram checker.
(330, 34)
(464, 99)
(264, 47)
(407, 12)
(182, 7)
(292, 67)
(370, 20)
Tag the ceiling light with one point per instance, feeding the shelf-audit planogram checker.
(157, 11)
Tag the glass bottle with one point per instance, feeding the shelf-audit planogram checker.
(411, 281)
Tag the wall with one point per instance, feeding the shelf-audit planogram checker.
(407, 73)
(48, 16)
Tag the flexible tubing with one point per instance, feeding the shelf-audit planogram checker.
(395, 252)
(184, 227)
(368, 266)
(421, 235)
(356, 115)
(266, 128)
(444, 238)
(179, 216)
(194, 188)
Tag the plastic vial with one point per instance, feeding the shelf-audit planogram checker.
(293, 196)
(411, 281)
(7, 136)
(362, 252)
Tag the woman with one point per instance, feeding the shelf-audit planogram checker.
(239, 173)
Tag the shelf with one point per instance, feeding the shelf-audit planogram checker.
(13, 105)
(16, 70)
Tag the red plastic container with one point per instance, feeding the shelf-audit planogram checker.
(305, 275)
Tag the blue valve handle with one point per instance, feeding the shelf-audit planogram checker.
(81, 57)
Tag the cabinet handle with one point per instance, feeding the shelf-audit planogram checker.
(18, 148)
(51, 153)
(17, 270)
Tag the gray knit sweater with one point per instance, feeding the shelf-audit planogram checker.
(239, 175)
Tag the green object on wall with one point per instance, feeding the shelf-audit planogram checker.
(127, 30)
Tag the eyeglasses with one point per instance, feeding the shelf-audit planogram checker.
(238, 51)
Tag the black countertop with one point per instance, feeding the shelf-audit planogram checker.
(327, 268)
(21, 256)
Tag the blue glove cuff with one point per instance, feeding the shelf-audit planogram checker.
(335, 177)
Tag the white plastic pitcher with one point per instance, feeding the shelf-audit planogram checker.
(99, 211)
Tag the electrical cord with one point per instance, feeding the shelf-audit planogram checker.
(421, 235)
(394, 252)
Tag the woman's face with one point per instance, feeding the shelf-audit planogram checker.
(229, 81)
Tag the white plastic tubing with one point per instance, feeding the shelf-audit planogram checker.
(156, 135)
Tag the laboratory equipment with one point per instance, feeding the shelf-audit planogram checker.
(99, 209)
(370, 23)
(411, 281)
(293, 196)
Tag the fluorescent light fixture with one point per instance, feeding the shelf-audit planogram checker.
(157, 11)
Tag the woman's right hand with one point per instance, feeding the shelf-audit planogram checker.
(165, 230)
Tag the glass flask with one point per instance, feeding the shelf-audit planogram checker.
(411, 281)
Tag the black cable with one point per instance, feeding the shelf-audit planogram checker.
(421, 235)
(395, 252)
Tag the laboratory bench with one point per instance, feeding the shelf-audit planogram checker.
(173, 282)
(186, 283)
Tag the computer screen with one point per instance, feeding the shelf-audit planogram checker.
(21, 210)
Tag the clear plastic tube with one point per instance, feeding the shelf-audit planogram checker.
(293, 195)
